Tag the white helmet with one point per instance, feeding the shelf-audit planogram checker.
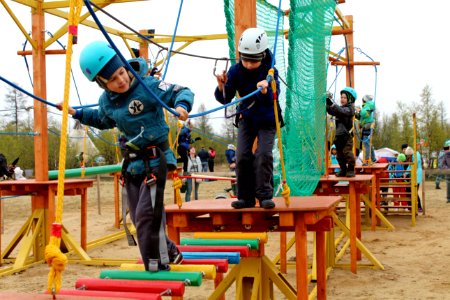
(367, 98)
(253, 43)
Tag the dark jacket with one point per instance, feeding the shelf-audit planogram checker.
(257, 109)
(203, 154)
(343, 118)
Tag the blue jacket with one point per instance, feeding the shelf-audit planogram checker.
(184, 139)
(257, 109)
(137, 113)
(230, 155)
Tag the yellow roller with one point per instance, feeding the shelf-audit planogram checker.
(262, 236)
(208, 271)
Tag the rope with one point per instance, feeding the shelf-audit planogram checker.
(53, 255)
(286, 190)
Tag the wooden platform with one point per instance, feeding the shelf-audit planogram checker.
(302, 215)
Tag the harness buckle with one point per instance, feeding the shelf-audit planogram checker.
(153, 265)
(150, 181)
(151, 152)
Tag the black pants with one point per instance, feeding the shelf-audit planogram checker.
(344, 152)
(211, 164)
(183, 153)
(254, 172)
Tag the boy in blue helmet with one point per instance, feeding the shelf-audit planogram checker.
(344, 130)
(128, 105)
(255, 118)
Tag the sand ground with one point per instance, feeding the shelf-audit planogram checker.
(416, 259)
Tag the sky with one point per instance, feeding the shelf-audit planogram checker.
(406, 37)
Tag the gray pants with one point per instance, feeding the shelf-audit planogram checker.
(141, 213)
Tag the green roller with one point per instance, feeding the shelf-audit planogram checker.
(189, 278)
(72, 173)
(253, 244)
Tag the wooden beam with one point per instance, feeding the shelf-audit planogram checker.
(40, 90)
(244, 17)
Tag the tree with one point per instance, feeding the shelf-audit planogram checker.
(229, 130)
(17, 102)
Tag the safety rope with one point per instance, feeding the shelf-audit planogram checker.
(177, 183)
(53, 255)
(286, 190)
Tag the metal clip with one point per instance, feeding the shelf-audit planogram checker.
(153, 265)
(150, 181)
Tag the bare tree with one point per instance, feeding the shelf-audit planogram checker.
(15, 102)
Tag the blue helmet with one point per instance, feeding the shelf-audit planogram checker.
(351, 94)
(94, 57)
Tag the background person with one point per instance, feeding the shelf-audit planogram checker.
(194, 166)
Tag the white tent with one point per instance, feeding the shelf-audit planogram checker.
(382, 152)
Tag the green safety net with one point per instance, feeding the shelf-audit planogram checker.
(303, 85)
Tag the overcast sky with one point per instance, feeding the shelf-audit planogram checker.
(408, 38)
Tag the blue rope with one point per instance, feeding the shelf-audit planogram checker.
(173, 41)
(36, 97)
(19, 133)
(105, 34)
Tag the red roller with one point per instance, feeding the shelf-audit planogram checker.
(243, 250)
(123, 295)
(166, 288)
(221, 264)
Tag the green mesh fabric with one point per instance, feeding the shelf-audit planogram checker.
(302, 100)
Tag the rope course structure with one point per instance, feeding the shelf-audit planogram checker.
(301, 97)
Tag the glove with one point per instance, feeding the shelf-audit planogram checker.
(329, 99)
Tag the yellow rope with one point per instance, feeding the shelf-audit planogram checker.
(177, 183)
(53, 255)
(116, 142)
(83, 163)
(286, 190)
(175, 144)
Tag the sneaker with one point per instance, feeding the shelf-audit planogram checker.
(238, 204)
(267, 204)
(341, 173)
(438, 187)
(178, 259)
(162, 267)
(350, 174)
(420, 210)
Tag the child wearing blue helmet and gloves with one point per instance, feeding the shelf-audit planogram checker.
(344, 130)
(127, 105)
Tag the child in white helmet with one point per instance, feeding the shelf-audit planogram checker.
(255, 118)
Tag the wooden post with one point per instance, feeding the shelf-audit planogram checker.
(40, 90)
(99, 205)
(350, 74)
(244, 17)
